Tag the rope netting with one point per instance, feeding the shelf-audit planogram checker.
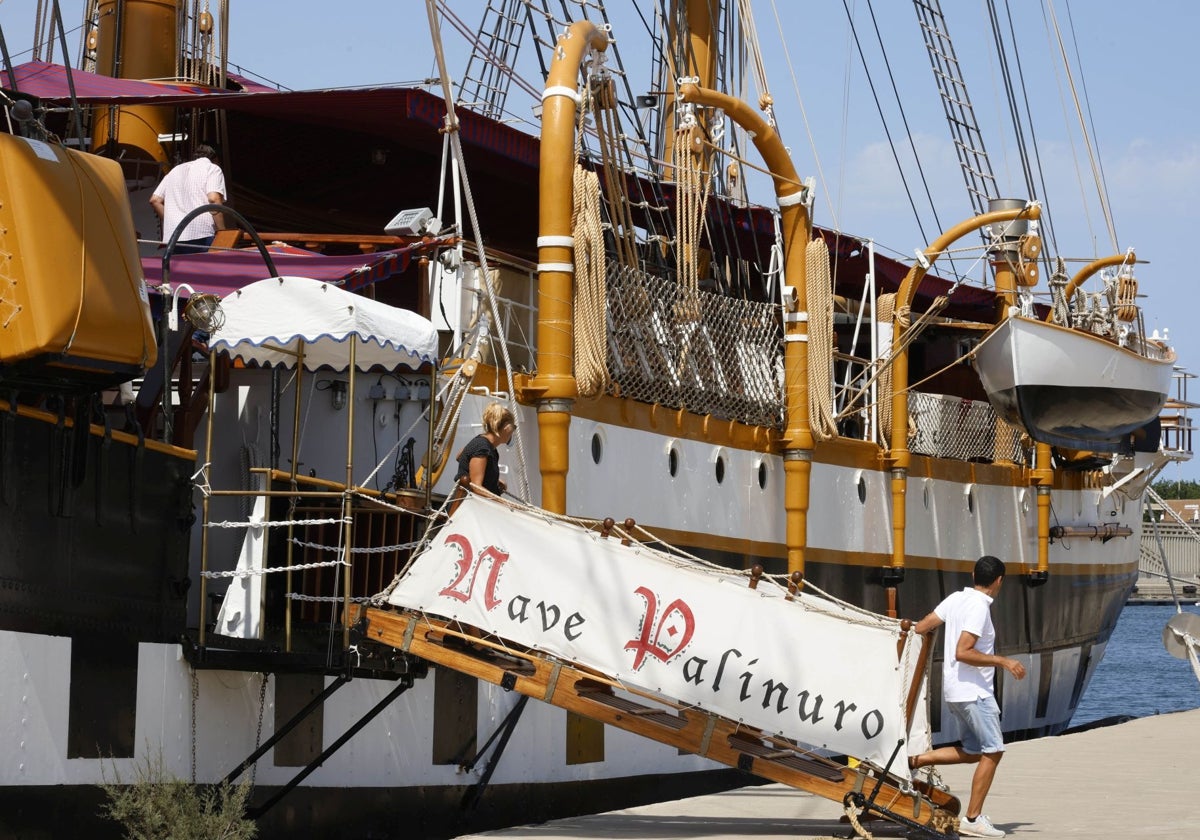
(966, 430)
(725, 361)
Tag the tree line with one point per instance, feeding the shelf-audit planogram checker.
(1172, 489)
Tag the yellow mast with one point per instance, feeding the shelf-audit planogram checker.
(699, 63)
(136, 39)
(796, 228)
(554, 387)
(899, 457)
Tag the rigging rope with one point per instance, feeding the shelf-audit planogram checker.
(1087, 139)
(812, 142)
(691, 195)
(456, 146)
(821, 342)
(887, 132)
(591, 328)
(754, 50)
(885, 313)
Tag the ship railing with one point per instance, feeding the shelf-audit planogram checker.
(518, 327)
(851, 398)
(515, 285)
(1170, 548)
(308, 552)
(1175, 419)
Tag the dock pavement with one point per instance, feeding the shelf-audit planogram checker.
(1136, 779)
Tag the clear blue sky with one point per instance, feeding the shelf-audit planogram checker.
(1138, 76)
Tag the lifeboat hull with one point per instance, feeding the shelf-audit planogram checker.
(1069, 388)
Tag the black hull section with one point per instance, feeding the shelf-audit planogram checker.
(94, 530)
(1100, 419)
(376, 813)
(1066, 612)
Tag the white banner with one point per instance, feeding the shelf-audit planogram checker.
(826, 676)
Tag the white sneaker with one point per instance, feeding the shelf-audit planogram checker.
(981, 826)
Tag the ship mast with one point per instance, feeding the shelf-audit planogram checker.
(691, 55)
(795, 203)
(1014, 250)
(155, 40)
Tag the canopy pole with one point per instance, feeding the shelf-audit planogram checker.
(348, 524)
(204, 515)
(287, 610)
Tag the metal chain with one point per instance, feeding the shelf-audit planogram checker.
(262, 704)
(195, 698)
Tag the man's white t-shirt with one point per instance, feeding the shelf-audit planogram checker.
(185, 188)
(967, 610)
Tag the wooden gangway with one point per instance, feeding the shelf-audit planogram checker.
(866, 791)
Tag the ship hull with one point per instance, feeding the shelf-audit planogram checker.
(955, 512)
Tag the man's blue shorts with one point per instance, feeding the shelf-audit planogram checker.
(980, 725)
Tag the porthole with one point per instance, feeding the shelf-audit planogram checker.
(970, 494)
(762, 475)
(861, 484)
(672, 461)
(925, 495)
(1023, 500)
(720, 468)
(597, 448)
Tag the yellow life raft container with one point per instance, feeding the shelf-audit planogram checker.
(74, 311)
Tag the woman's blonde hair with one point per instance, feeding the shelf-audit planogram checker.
(495, 417)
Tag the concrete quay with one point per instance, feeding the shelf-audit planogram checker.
(1137, 779)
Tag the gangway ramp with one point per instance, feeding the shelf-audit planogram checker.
(714, 737)
(714, 662)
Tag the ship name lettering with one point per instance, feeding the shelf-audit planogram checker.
(776, 692)
(815, 716)
(470, 564)
(843, 707)
(875, 719)
(663, 636)
(551, 614)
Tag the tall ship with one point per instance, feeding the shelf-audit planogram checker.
(216, 464)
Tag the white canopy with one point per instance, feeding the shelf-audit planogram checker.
(266, 322)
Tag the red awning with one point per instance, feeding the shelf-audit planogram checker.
(220, 272)
(49, 81)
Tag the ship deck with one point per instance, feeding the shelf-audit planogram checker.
(1110, 783)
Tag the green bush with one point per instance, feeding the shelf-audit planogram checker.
(158, 806)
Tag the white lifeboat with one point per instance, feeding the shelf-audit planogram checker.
(1072, 388)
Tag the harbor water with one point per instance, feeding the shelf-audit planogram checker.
(1137, 676)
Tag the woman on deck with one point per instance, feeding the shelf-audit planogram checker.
(479, 460)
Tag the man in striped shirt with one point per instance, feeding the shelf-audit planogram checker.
(188, 186)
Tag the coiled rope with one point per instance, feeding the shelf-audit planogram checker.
(820, 341)
(591, 330)
(885, 313)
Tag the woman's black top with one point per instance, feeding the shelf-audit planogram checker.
(480, 447)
